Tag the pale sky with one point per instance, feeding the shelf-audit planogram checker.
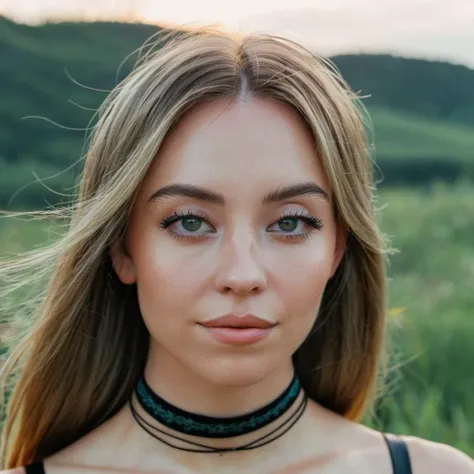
(437, 29)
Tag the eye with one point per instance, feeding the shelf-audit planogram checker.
(290, 224)
(297, 224)
(191, 224)
(187, 224)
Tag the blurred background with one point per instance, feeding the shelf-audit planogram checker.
(413, 60)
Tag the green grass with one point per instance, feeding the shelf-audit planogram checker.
(432, 300)
(404, 134)
(431, 288)
(18, 235)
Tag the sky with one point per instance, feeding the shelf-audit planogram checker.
(433, 29)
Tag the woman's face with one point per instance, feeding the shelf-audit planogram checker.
(233, 217)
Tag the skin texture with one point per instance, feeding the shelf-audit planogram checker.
(242, 261)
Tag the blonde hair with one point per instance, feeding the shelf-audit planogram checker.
(87, 344)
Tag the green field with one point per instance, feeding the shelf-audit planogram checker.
(432, 309)
(402, 134)
(431, 295)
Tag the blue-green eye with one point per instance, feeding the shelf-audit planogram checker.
(289, 224)
(191, 224)
(296, 224)
(187, 223)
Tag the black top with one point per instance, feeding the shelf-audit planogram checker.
(36, 468)
(396, 446)
(399, 453)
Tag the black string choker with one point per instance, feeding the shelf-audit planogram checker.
(216, 427)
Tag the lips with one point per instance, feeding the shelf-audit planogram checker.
(238, 330)
(240, 322)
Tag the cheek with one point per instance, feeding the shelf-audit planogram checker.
(301, 279)
(167, 282)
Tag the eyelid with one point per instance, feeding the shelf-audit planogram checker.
(304, 215)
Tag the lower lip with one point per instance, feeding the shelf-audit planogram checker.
(239, 335)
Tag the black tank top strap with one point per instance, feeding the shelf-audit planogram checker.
(399, 454)
(35, 468)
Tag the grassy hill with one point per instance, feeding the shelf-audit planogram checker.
(400, 134)
(430, 88)
(423, 111)
(411, 148)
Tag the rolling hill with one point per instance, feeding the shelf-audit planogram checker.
(422, 111)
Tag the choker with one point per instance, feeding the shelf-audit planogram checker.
(193, 424)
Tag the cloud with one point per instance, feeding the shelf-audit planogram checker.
(427, 29)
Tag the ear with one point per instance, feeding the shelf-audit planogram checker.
(342, 236)
(122, 263)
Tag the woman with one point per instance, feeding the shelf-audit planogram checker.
(217, 304)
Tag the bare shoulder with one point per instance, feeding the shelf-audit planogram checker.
(432, 458)
(17, 470)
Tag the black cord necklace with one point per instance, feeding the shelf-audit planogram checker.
(211, 427)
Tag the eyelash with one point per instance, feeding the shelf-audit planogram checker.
(308, 219)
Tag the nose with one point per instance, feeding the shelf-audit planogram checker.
(240, 270)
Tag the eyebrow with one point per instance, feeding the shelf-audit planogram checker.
(203, 194)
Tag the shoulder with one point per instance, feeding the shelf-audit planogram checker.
(432, 458)
(17, 470)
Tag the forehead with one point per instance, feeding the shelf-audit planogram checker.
(248, 145)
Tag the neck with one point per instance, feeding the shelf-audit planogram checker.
(174, 382)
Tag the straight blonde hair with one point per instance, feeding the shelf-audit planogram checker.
(86, 345)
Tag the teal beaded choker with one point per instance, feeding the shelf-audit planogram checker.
(213, 427)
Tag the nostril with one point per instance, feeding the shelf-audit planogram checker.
(242, 289)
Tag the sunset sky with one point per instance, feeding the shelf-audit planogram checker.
(438, 29)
